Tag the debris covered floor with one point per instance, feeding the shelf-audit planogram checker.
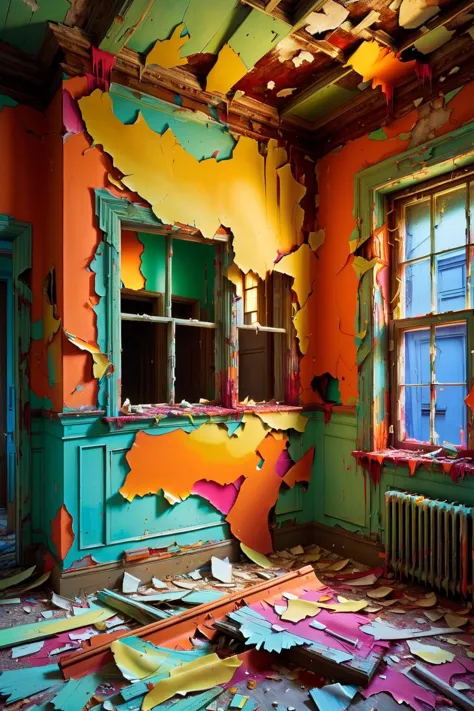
(302, 629)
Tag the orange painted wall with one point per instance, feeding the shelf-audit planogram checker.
(30, 191)
(85, 169)
(332, 346)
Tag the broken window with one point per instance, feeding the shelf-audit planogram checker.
(431, 318)
(176, 316)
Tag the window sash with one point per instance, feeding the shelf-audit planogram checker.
(400, 325)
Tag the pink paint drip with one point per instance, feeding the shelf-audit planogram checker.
(423, 72)
(401, 688)
(102, 64)
(72, 119)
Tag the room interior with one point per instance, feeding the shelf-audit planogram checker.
(236, 252)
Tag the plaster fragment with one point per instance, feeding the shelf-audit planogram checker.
(316, 239)
(414, 13)
(303, 56)
(285, 92)
(166, 53)
(101, 362)
(333, 14)
(271, 85)
(433, 40)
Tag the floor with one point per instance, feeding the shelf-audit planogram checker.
(7, 543)
(279, 685)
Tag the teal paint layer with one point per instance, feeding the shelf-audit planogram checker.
(322, 102)
(378, 135)
(257, 35)
(194, 273)
(201, 136)
(37, 330)
(98, 267)
(153, 261)
(208, 23)
(25, 29)
(7, 101)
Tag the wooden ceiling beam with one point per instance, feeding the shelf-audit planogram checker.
(332, 77)
(245, 116)
(272, 5)
(303, 9)
(439, 21)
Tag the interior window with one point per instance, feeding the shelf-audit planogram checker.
(430, 318)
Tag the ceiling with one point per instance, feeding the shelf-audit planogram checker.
(326, 69)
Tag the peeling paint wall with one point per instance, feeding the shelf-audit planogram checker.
(333, 340)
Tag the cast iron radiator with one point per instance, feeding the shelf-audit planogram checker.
(430, 541)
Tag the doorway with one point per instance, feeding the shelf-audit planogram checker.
(7, 417)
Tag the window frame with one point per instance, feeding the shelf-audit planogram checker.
(116, 214)
(396, 211)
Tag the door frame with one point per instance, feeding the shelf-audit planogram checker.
(19, 236)
(6, 277)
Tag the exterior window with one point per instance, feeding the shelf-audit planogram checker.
(173, 345)
(430, 319)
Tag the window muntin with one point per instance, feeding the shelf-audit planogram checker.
(184, 340)
(431, 321)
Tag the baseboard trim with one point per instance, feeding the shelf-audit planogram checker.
(109, 575)
(349, 545)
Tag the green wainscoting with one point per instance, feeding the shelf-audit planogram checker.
(78, 462)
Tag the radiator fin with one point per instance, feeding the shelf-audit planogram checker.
(430, 541)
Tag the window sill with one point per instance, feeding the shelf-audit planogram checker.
(373, 462)
(171, 414)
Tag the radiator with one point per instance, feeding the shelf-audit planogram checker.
(430, 541)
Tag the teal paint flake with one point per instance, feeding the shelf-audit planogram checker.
(451, 94)
(37, 330)
(7, 101)
(19, 684)
(52, 379)
(232, 427)
(197, 133)
(202, 597)
(258, 631)
(378, 135)
(257, 35)
(75, 693)
(334, 697)
(40, 403)
(98, 267)
(207, 22)
(404, 136)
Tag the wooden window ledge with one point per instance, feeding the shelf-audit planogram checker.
(161, 412)
(373, 462)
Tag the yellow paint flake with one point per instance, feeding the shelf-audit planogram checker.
(50, 323)
(302, 323)
(234, 275)
(134, 664)
(116, 183)
(203, 673)
(429, 653)
(298, 610)
(362, 265)
(166, 53)
(316, 239)
(226, 72)
(364, 58)
(453, 620)
(101, 362)
(208, 193)
(257, 558)
(380, 593)
(283, 420)
(300, 265)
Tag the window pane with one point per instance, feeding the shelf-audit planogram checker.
(450, 414)
(251, 300)
(194, 369)
(451, 281)
(417, 289)
(417, 230)
(450, 219)
(417, 413)
(451, 350)
(256, 364)
(417, 357)
(193, 274)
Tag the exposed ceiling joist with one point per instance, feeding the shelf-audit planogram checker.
(271, 5)
(327, 80)
(439, 21)
(303, 9)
